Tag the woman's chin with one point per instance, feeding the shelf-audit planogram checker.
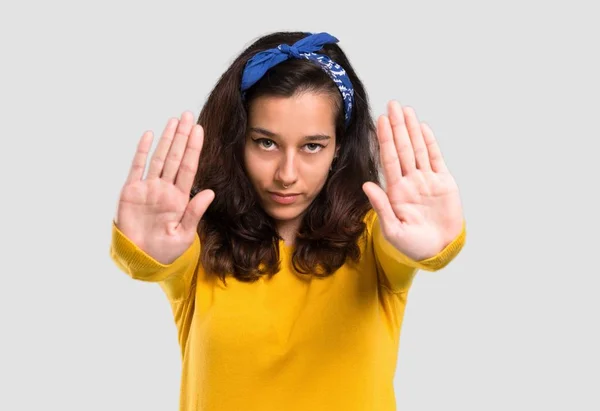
(284, 213)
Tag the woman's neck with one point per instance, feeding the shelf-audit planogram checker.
(288, 229)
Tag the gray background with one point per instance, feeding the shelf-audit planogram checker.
(510, 89)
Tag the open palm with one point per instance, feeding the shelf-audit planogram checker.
(420, 210)
(156, 212)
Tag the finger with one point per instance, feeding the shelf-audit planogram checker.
(401, 138)
(196, 209)
(416, 139)
(189, 163)
(175, 155)
(381, 204)
(158, 158)
(387, 152)
(436, 159)
(136, 172)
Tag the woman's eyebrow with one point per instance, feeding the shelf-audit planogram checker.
(270, 134)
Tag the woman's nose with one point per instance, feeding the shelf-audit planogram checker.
(287, 173)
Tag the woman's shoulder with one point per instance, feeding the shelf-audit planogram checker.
(369, 218)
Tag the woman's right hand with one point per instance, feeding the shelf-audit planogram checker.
(156, 212)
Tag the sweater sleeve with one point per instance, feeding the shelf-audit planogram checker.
(175, 278)
(398, 269)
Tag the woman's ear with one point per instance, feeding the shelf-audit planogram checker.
(334, 158)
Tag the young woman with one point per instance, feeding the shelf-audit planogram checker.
(286, 264)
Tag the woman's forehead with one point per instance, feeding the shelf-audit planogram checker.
(300, 115)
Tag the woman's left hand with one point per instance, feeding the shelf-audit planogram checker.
(420, 211)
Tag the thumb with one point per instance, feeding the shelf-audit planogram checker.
(381, 204)
(196, 209)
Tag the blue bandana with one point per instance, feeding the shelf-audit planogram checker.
(258, 65)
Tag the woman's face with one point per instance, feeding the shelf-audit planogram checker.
(290, 142)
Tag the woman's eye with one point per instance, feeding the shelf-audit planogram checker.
(268, 144)
(265, 143)
(314, 147)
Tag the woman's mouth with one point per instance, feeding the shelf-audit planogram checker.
(284, 198)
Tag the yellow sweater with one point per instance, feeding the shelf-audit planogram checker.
(286, 344)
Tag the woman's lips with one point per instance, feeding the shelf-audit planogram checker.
(282, 198)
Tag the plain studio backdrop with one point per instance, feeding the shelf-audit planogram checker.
(509, 88)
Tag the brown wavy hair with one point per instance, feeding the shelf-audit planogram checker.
(238, 237)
